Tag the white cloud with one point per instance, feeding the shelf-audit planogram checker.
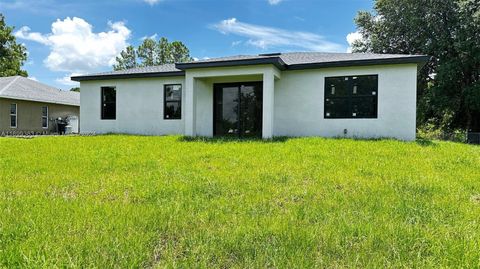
(75, 48)
(33, 78)
(266, 37)
(198, 59)
(351, 38)
(35, 7)
(236, 43)
(299, 18)
(67, 81)
(151, 2)
(154, 37)
(274, 2)
(24, 33)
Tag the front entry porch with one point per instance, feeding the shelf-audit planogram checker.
(230, 101)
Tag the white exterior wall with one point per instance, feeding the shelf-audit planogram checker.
(139, 107)
(299, 104)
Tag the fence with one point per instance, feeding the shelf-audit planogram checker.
(473, 138)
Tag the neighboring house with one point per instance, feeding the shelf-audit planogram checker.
(288, 94)
(28, 106)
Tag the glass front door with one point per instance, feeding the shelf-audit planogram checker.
(238, 109)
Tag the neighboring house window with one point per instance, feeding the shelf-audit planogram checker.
(351, 97)
(172, 108)
(13, 115)
(109, 100)
(45, 117)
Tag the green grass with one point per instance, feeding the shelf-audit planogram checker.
(133, 201)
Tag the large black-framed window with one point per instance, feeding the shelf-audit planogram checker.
(351, 97)
(109, 103)
(172, 102)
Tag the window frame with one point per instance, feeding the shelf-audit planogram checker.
(102, 103)
(14, 115)
(45, 117)
(165, 102)
(349, 97)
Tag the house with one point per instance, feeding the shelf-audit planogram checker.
(28, 106)
(277, 94)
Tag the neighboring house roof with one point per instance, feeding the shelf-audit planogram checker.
(22, 88)
(283, 61)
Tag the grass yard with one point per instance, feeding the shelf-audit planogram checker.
(133, 201)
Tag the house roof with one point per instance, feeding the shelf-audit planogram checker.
(22, 88)
(283, 61)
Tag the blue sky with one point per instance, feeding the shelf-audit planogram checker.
(77, 37)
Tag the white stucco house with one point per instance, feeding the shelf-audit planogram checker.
(278, 94)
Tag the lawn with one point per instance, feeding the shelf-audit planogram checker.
(136, 201)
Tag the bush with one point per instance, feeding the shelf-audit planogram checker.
(433, 133)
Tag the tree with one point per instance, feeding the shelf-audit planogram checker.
(12, 55)
(164, 53)
(151, 53)
(449, 31)
(147, 52)
(179, 52)
(75, 89)
(127, 59)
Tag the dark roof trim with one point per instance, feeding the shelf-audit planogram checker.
(421, 60)
(131, 75)
(276, 61)
(403, 60)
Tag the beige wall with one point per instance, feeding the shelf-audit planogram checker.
(29, 115)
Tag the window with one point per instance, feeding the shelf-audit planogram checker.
(351, 97)
(172, 108)
(109, 100)
(45, 117)
(13, 115)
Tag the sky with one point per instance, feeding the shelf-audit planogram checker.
(65, 38)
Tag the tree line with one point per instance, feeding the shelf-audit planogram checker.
(151, 53)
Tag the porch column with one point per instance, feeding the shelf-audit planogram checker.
(268, 102)
(190, 105)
